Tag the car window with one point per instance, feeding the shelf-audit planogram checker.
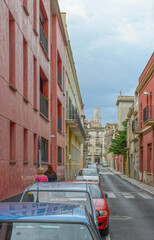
(73, 197)
(41, 231)
(95, 191)
(88, 172)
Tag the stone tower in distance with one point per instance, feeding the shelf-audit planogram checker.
(97, 115)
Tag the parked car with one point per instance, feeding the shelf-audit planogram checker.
(47, 221)
(93, 165)
(60, 192)
(100, 204)
(88, 174)
(105, 163)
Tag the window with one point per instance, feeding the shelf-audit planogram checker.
(43, 28)
(25, 3)
(25, 145)
(149, 153)
(25, 68)
(44, 150)
(12, 141)
(25, 6)
(59, 71)
(43, 94)
(97, 151)
(59, 155)
(35, 14)
(11, 50)
(35, 147)
(35, 82)
(67, 111)
(141, 116)
(59, 117)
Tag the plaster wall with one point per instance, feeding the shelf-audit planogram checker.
(17, 175)
(58, 93)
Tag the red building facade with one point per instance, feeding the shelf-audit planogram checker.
(146, 123)
(58, 43)
(24, 92)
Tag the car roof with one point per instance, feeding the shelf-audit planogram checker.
(43, 211)
(57, 186)
(87, 169)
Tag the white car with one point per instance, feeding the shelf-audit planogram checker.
(105, 163)
(88, 174)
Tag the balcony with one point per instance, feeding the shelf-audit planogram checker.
(148, 115)
(59, 123)
(136, 127)
(97, 143)
(43, 39)
(75, 125)
(58, 77)
(43, 105)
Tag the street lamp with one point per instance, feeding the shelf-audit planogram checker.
(52, 136)
(147, 93)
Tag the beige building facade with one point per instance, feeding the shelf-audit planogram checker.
(74, 115)
(123, 104)
(109, 134)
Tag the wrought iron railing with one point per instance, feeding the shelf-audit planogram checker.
(74, 115)
(43, 39)
(43, 105)
(148, 113)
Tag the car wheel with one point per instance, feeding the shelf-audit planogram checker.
(105, 231)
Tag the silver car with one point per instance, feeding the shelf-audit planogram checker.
(88, 174)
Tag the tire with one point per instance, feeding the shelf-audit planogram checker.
(105, 231)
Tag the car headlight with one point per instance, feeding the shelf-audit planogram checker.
(101, 213)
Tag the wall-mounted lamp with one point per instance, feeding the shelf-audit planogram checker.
(52, 136)
(147, 93)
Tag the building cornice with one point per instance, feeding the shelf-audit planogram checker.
(145, 78)
(124, 99)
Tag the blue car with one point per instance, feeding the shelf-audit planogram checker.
(46, 221)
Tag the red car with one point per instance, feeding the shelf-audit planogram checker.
(100, 204)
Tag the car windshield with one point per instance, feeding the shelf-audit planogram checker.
(87, 172)
(95, 191)
(58, 197)
(41, 231)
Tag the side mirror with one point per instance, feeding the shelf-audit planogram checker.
(106, 196)
(75, 175)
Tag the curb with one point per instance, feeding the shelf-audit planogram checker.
(137, 184)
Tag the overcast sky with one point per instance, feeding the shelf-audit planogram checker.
(112, 41)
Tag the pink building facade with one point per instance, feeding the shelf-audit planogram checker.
(58, 43)
(24, 92)
(145, 90)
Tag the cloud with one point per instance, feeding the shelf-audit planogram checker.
(111, 43)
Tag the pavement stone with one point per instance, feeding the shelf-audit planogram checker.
(141, 185)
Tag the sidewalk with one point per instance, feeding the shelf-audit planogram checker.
(133, 181)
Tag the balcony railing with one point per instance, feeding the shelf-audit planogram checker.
(148, 115)
(43, 105)
(59, 123)
(74, 115)
(58, 77)
(43, 39)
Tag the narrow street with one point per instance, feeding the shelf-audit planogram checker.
(131, 209)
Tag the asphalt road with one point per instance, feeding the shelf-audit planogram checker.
(131, 209)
